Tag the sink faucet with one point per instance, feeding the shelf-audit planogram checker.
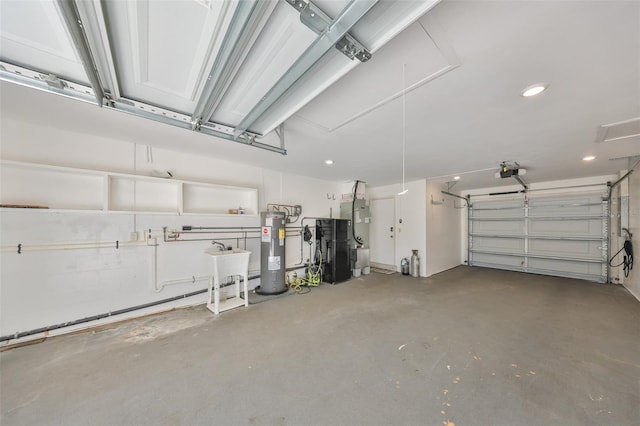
(219, 244)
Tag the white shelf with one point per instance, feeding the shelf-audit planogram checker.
(79, 190)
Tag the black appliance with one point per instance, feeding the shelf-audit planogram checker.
(333, 238)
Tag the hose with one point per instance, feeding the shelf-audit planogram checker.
(353, 216)
(312, 279)
(627, 259)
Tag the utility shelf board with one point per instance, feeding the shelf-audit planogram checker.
(48, 210)
(219, 214)
(143, 212)
(67, 189)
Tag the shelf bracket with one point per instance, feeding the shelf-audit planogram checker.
(318, 21)
(280, 132)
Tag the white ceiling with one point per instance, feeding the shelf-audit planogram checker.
(466, 63)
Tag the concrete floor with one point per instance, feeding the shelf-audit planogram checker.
(470, 346)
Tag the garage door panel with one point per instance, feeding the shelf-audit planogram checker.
(568, 227)
(560, 248)
(511, 227)
(562, 235)
(503, 208)
(510, 245)
(563, 268)
(507, 262)
(566, 206)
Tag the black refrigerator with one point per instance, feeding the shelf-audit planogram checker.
(333, 238)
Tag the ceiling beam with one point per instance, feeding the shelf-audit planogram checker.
(74, 24)
(246, 23)
(97, 36)
(53, 84)
(46, 82)
(315, 19)
(180, 120)
(340, 26)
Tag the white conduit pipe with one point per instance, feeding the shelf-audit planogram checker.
(157, 287)
(87, 245)
(71, 246)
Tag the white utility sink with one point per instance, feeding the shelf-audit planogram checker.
(222, 264)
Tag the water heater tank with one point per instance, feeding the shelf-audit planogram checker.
(272, 254)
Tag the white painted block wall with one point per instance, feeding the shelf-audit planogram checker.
(443, 230)
(433, 229)
(39, 289)
(632, 283)
(411, 209)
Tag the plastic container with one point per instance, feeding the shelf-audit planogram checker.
(404, 266)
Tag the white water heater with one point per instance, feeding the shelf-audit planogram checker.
(272, 253)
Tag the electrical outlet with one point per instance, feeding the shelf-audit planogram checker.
(133, 236)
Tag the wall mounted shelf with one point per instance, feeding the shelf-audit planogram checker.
(67, 189)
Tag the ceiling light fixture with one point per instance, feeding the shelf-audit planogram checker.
(404, 126)
(589, 158)
(533, 90)
(456, 178)
(328, 162)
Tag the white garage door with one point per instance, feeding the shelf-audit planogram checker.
(561, 235)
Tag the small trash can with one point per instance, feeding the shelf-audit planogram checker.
(404, 266)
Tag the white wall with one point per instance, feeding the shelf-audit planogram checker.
(43, 288)
(632, 283)
(311, 194)
(443, 230)
(411, 209)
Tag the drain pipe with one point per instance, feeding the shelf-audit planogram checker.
(46, 329)
(19, 335)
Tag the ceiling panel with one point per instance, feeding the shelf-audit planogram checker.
(217, 67)
(380, 81)
(388, 19)
(163, 48)
(282, 41)
(32, 33)
(465, 122)
(380, 25)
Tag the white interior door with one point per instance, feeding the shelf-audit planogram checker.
(382, 232)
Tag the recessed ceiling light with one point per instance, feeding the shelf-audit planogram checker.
(456, 178)
(589, 158)
(533, 90)
(328, 162)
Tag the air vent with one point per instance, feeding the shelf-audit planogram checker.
(622, 130)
